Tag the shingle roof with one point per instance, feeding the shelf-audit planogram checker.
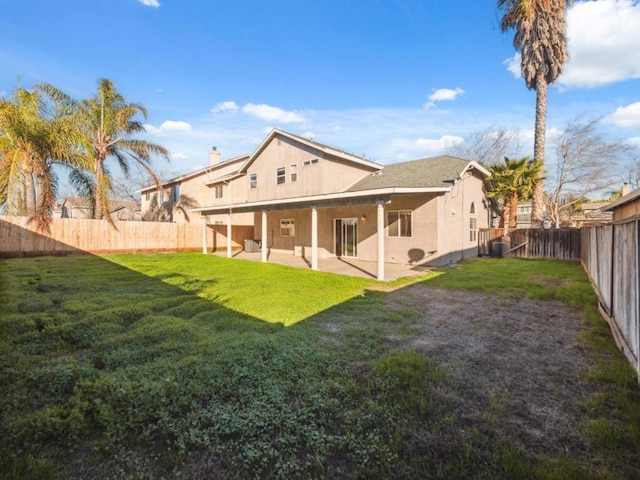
(435, 172)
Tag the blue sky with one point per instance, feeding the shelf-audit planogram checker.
(392, 79)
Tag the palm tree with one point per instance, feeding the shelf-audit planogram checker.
(107, 124)
(540, 37)
(34, 136)
(510, 182)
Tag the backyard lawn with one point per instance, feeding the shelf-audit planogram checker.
(191, 366)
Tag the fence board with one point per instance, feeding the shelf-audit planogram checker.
(562, 244)
(70, 235)
(611, 260)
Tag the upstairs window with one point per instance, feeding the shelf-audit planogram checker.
(281, 175)
(399, 223)
(161, 197)
(293, 173)
(218, 191)
(253, 180)
(176, 193)
(313, 161)
(147, 196)
(473, 224)
(287, 227)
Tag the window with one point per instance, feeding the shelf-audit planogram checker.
(253, 180)
(176, 193)
(146, 196)
(473, 224)
(293, 173)
(473, 229)
(218, 191)
(313, 161)
(281, 175)
(161, 197)
(399, 223)
(287, 227)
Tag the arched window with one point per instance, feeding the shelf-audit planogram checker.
(473, 223)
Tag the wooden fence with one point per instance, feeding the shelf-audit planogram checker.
(610, 255)
(69, 235)
(562, 244)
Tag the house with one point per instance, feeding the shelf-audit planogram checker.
(176, 197)
(309, 199)
(79, 207)
(627, 206)
(592, 213)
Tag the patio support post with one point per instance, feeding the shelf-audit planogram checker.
(204, 234)
(264, 247)
(380, 234)
(229, 255)
(314, 238)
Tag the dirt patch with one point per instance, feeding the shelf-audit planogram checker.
(515, 366)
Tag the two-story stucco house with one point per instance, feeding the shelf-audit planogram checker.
(306, 198)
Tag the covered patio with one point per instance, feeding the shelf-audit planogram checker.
(341, 266)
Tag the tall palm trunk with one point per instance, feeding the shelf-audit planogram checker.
(30, 194)
(513, 209)
(537, 196)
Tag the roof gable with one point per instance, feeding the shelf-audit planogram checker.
(323, 150)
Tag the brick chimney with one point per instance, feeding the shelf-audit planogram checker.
(214, 156)
(626, 189)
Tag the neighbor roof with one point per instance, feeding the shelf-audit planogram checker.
(629, 197)
(434, 172)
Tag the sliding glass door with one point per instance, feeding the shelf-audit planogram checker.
(346, 237)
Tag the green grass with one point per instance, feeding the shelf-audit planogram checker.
(192, 366)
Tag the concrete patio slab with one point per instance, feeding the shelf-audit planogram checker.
(343, 266)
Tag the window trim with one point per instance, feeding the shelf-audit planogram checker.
(281, 175)
(288, 225)
(218, 191)
(293, 173)
(401, 228)
(253, 180)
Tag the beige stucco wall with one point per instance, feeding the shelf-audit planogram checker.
(454, 239)
(329, 175)
(197, 187)
(438, 234)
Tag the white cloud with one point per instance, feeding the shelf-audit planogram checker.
(169, 126)
(603, 43)
(634, 141)
(222, 107)
(439, 144)
(443, 94)
(514, 65)
(150, 3)
(272, 114)
(626, 117)
(179, 156)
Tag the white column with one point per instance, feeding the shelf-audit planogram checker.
(204, 234)
(264, 236)
(380, 241)
(314, 238)
(229, 255)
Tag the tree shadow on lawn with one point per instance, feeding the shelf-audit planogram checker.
(111, 372)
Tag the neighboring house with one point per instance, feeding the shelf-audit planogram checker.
(78, 207)
(309, 199)
(523, 215)
(592, 213)
(627, 206)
